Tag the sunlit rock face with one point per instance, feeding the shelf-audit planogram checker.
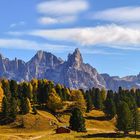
(73, 72)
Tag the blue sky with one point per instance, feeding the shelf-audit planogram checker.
(106, 32)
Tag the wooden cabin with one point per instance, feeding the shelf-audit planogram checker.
(60, 130)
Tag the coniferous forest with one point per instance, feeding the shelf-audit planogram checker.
(29, 97)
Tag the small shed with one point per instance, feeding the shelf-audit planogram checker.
(60, 130)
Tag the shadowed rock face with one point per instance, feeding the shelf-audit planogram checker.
(128, 82)
(73, 73)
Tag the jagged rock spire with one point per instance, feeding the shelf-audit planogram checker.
(75, 59)
(2, 66)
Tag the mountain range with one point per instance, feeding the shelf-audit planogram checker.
(73, 73)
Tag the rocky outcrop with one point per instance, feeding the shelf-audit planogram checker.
(38, 66)
(128, 82)
(73, 73)
(80, 75)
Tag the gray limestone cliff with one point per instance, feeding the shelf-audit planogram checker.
(73, 72)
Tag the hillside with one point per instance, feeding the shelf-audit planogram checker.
(97, 128)
(42, 130)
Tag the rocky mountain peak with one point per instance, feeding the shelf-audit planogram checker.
(46, 56)
(1, 56)
(39, 55)
(73, 73)
(75, 59)
(138, 75)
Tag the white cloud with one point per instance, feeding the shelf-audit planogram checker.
(62, 7)
(30, 45)
(21, 23)
(61, 11)
(112, 36)
(33, 45)
(121, 14)
(50, 20)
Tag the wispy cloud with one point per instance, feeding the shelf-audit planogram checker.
(30, 45)
(120, 15)
(21, 23)
(51, 20)
(61, 11)
(112, 36)
(99, 51)
(17, 43)
(62, 7)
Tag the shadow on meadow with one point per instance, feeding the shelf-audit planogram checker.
(109, 135)
(102, 118)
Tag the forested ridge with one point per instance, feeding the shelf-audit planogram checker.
(29, 97)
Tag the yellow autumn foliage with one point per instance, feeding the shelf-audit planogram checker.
(79, 100)
(54, 102)
(1, 96)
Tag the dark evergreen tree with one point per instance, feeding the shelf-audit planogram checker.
(43, 91)
(136, 121)
(34, 83)
(6, 88)
(25, 105)
(92, 94)
(77, 121)
(13, 108)
(13, 88)
(5, 107)
(27, 90)
(24, 89)
(137, 97)
(110, 108)
(124, 118)
(88, 101)
(98, 99)
(109, 105)
(110, 94)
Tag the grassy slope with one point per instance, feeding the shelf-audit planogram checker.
(35, 125)
(95, 124)
(39, 127)
(96, 121)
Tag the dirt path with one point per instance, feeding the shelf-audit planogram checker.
(16, 137)
(10, 137)
(37, 137)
